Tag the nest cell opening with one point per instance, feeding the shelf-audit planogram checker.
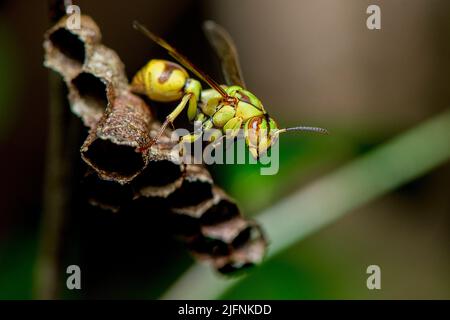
(221, 212)
(209, 246)
(69, 45)
(191, 193)
(107, 192)
(249, 234)
(92, 90)
(159, 173)
(113, 158)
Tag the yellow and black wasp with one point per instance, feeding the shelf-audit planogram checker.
(228, 108)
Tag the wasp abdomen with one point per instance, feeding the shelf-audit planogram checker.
(161, 80)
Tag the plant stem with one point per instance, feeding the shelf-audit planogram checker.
(56, 196)
(46, 273)
(389, 166)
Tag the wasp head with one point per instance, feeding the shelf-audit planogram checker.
(260, 134)
(260, 131)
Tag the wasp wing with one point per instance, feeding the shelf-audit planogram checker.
(180, 58)
(225, 48)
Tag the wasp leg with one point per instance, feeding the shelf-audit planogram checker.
(218, 141)
(232, 127)
(230, 130)
(188, 138)
(197, 133)
(170, 118)
(192, 108)
(194, 88)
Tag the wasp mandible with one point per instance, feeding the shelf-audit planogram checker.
(228, 108)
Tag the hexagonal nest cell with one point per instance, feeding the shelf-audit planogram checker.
(69, 44)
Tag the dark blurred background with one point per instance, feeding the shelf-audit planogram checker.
(311, 62)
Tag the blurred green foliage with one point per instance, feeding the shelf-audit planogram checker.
(17, 261)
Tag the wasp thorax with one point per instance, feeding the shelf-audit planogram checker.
(259, 134)
(160, 80)
(245, 96)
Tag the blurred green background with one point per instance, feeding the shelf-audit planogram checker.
(311, 62)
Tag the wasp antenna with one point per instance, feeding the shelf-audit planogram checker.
(304, 128)
(138, 26)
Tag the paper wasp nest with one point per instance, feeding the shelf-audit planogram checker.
(120, 175)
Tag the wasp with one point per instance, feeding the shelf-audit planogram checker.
(228, 108)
